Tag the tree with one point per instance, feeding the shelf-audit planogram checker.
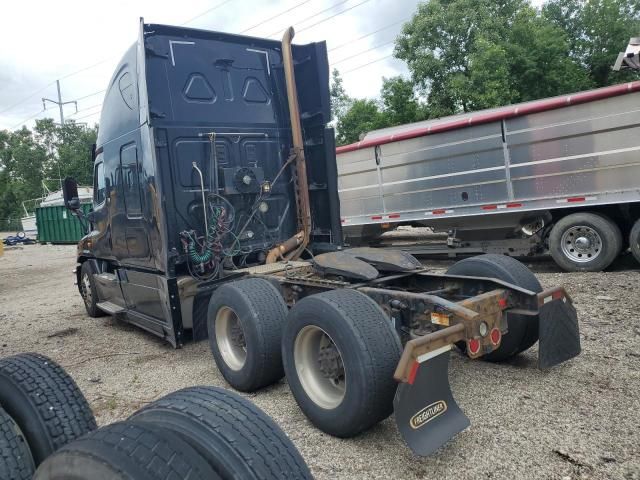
(597, 31)
(467, 55)
(362, 116)
(400, 103)
(340, 101)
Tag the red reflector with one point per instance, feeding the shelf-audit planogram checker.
(490, 207)
(394, 215)
(474, 346)
(376, 217)
(438, 212)
(514, 205)
(495, 336)
(557, 295)
(576, 199)
(413, 372)
(502, 302)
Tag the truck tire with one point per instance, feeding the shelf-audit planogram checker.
(340, 351)
(126, 451)
(16, 462)
(44, 401)
(523, 330)
(235, 437)
(634, 240)
(585, 242)
(87, 287)
(244, 323)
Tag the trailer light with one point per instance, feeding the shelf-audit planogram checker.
(413, 372)
(483, 329)
(496, 336)
(441, 319)
(557, 295)
(474, 346)
(502, 302)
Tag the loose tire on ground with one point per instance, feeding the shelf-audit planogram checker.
(368, 348)
(87, 287)
(523, 330)
(16, 462)
(634, 240)
(44, 401)
(126, 451)
(235, 437)
(585, 242)
(244, 324)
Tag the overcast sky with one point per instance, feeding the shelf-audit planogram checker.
(47, 40)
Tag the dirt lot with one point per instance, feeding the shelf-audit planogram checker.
(579, 420)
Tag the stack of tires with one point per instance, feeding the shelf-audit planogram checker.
(48, 432)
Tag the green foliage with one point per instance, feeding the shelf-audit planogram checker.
(597, 31)
(30, 159)
(362, 116)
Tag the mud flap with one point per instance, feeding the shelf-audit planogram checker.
(559, 333)
(426, 413)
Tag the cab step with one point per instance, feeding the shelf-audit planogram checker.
(111, 308)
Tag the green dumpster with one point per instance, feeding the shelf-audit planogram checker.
(58, 225)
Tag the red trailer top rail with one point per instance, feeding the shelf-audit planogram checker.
(500, 114)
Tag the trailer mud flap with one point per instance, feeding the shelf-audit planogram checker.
(558, 328)
(426, 413)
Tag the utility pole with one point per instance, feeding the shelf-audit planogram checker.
(60, 103)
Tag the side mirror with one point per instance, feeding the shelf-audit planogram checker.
(70, 192)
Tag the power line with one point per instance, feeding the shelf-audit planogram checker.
(27, 98)
(350, 42)
(314, 15)
(89, 95)
(363, 51)
(86, 116)
(206, 11)
(276, 16)
(22, 122)
(87, 108)
(333, 16)
(366, 64)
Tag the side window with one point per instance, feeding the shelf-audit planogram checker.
(130, 172)
(99, 184)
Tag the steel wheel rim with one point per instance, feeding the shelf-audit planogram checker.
(581, 244)
(230, 338)
(86, 289)
(326, 392)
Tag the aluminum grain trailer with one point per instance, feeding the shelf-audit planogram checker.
(559, 176)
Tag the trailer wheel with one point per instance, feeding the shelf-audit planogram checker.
(44, 401)
(523, 330)
(16, 462)
(126, 451)
(87, 287)
(235, 437)
(244, 323)
(585, 242)
(339, 351)
(634, 240)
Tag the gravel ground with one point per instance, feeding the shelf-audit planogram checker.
(579, 420)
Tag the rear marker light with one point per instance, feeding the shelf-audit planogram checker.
(502, 302)
(413, 372)
(474, 346)
(495, 336)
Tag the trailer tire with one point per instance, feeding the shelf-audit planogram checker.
(16, 462)
(235, 437)
(255, 308)
(44, 401)
(126, 451)
(600, 236)
(634, 240)
(523, 332)
(360, 342)
(87, 287)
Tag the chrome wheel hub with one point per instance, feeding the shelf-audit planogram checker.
(581, 244)
(230, 338)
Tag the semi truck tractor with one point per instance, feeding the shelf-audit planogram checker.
(558, 176)
(216, 216)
